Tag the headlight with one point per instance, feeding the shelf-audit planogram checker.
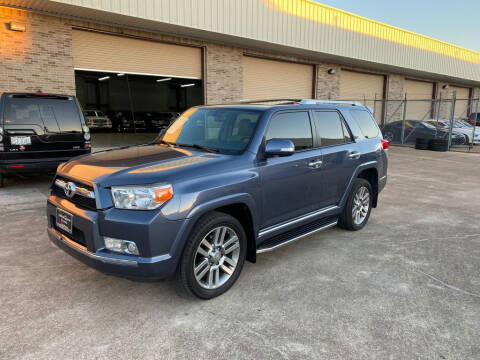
(141, 197)
(86, 129)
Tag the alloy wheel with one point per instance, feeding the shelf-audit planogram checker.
(361, 205)
(216, 257)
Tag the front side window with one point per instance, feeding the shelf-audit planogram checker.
(331, 128)
(226, 130)
(366, 122)
(294, 126)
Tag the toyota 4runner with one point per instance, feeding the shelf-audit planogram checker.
(219, 186)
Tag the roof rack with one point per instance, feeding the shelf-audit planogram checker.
(277, 101)
(333, 102)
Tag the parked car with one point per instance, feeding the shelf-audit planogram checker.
(221, 185)
(156, 121)
(39, 131)
(474, 119)
(418, 129)
(122, 121)
(95, 119)
(162, 120)
(459, 126)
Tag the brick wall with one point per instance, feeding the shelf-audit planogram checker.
(224, 79)
(39, 58)
(328, 85)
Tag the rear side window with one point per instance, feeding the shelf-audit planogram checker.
(294, 126)
(366, 122)
(54, 114)
(331, 128)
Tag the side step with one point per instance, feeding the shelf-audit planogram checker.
(297, 234)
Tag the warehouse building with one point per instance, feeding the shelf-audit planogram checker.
(134, 60)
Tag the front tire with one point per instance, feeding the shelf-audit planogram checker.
(213, 256)
(357, 209)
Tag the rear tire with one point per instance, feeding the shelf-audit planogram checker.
(357, 209)
(213, 256)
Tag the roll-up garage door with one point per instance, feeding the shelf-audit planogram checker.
(270, 79)
(420, 93)
(461, 105)
(110, 53)
(364, 88)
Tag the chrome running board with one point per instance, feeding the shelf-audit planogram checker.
(297, 234)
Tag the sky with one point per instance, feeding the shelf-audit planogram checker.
(456, 22)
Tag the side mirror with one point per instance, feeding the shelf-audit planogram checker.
(279, 147)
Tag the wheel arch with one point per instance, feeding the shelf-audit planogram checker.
(240, 206)
(371, 175)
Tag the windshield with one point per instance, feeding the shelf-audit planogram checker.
(222, 129)
(52, 115)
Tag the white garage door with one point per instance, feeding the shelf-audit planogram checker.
(364, 88)
(420, 93)
(461, 105)
(270, 79)
(110, 53)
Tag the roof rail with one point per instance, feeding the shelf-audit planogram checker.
(333, 102)
(282, 101)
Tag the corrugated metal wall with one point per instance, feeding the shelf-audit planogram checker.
(301, 24)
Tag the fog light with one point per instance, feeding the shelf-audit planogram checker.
(86, 136)
(120, 246)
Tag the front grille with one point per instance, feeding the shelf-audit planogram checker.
(79, 200)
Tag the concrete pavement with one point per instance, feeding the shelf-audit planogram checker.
(405, 287)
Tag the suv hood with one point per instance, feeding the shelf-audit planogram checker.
(144, 164)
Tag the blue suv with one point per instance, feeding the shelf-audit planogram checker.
(219, 186)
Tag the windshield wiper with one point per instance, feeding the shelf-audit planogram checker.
(165, 142)
(201, 147)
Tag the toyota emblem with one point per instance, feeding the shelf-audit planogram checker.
(70, 189)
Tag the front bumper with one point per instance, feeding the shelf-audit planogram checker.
(86, 244)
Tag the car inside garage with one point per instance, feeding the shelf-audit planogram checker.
(130, 89)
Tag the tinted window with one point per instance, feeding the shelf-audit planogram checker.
(54, 114)
(366, 122)
(294, 126)
(331, 128)
(224, 129)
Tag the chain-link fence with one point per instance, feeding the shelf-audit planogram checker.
(429, 123)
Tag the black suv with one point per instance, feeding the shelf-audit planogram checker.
(39, 131)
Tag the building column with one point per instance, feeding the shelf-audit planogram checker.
(223, 74)
(394, 95)
(328, 85)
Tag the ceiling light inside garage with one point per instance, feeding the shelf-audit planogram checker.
(104, 78)
(187, 85)
(164, 79)
(121, 74)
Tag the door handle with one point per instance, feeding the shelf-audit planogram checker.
(354, 155)
(315, 164)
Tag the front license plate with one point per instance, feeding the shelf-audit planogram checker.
(21, 140)
(64, 220)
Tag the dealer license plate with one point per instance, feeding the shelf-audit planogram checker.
(64, 220)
